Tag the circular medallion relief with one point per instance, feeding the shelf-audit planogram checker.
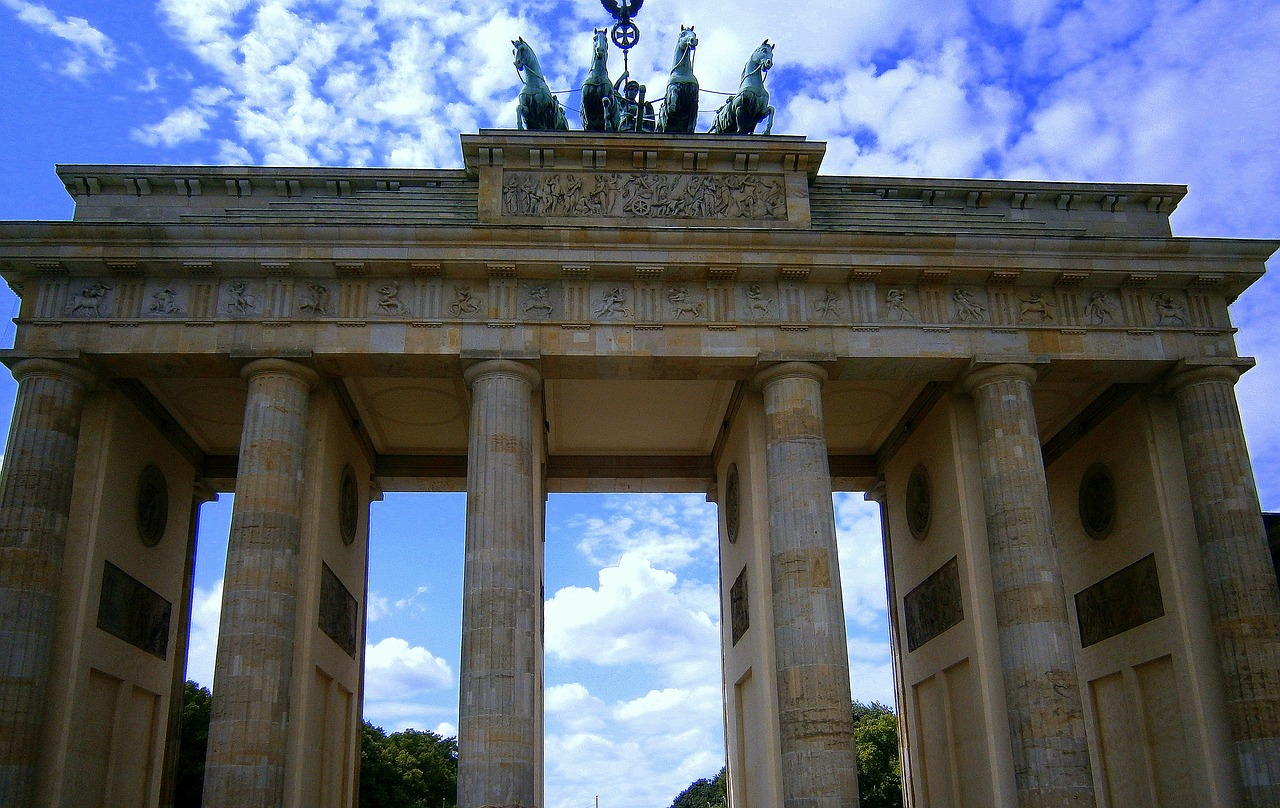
(1097, 502)
(348, 506)
(919, 507)
(152, 505)
(732, 513)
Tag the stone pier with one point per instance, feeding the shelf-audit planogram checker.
(819, 766)
(254, 667)
(1243, 600)
(1046, 718)
(35, 501)
(498, 721)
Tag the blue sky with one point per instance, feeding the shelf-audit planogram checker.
(1177, 91)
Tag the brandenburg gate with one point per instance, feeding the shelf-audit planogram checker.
(1034, 379)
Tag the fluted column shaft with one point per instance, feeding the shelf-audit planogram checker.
(1244, 603)
(819, 764)
(254, 665)
(497, 720)
(35, 505)
(1046, 718)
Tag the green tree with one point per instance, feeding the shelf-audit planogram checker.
(410, 769)
(875, 736)
(705, 793)
(193, 741)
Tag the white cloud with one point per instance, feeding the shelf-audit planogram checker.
(90, 49)
(395, 670)
(377, 607)
(671, 531)
(202, 650)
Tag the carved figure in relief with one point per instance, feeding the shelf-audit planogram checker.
(241, 301)
(828, 307)
(537, 304)
(1168, 310)
(317, 301)
(742, 113)
(682, 305)
(757, 303)
(613, 304)
(967, 309)
(644, 195)
(163, 302)
(1099, 311)
(897, 310)
(1036, 307)
(90, 301)
(463, 302)
(389, 299)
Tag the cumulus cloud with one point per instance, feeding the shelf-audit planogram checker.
(393, 670)
(89, 49)
(671, 531)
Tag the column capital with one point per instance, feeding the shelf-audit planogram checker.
(1186, 375)
(260, 367)
(54, 367)
(988, 374)
(789, 370)
(502, 367)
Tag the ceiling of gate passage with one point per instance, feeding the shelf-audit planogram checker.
(602, 434)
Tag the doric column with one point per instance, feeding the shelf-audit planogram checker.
(1042, 689)
(1243, 600)
(500, 672)
(254, 665)
(35, 504)
(815, 714)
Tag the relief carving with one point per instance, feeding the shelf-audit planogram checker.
(90, 301)
(828, 306)
(164, 302)
(464, 302)
(897, 310)
(389, 299)
(682, 304)
(537, 305)
(613, 304)
(758, 305)
(317, 301)
(1168, 310)
(679, 196)
(241, 301)
(1035, 308)
(1099, 310)
(967, 309)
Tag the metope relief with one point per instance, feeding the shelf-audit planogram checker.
(465, 302)
(896, 307)
(315, 300)
(828, 306)
(1036, 307)
(659, 196)
(389, 302)
(759, 303)
(967, 308)
(1099, 310)
(536, 301)
(612, 305)
(682, 304)
(89, 301)
(164, 302)
(240, 302)
(1168, 310)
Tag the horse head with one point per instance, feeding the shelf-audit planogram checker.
(523, 53)
(601, 47)
(763, 56)
(686, 43)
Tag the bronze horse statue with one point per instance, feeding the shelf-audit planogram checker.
(744, 110)
(680, 108)
(600, 103)
(536, 108)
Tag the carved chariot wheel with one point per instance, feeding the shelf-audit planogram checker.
(625, 34)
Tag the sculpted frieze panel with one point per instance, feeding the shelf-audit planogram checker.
(644, 196)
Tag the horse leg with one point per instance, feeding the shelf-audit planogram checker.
(768, 130)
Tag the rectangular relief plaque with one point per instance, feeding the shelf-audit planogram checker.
(132, 611)
(1119, 602)
(339, 612)
(616, 195)
(739, 612)
(934, 605)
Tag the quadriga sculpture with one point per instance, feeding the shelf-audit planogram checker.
(600, 102)
(745, 109)
(536, 108)
(680, 108)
